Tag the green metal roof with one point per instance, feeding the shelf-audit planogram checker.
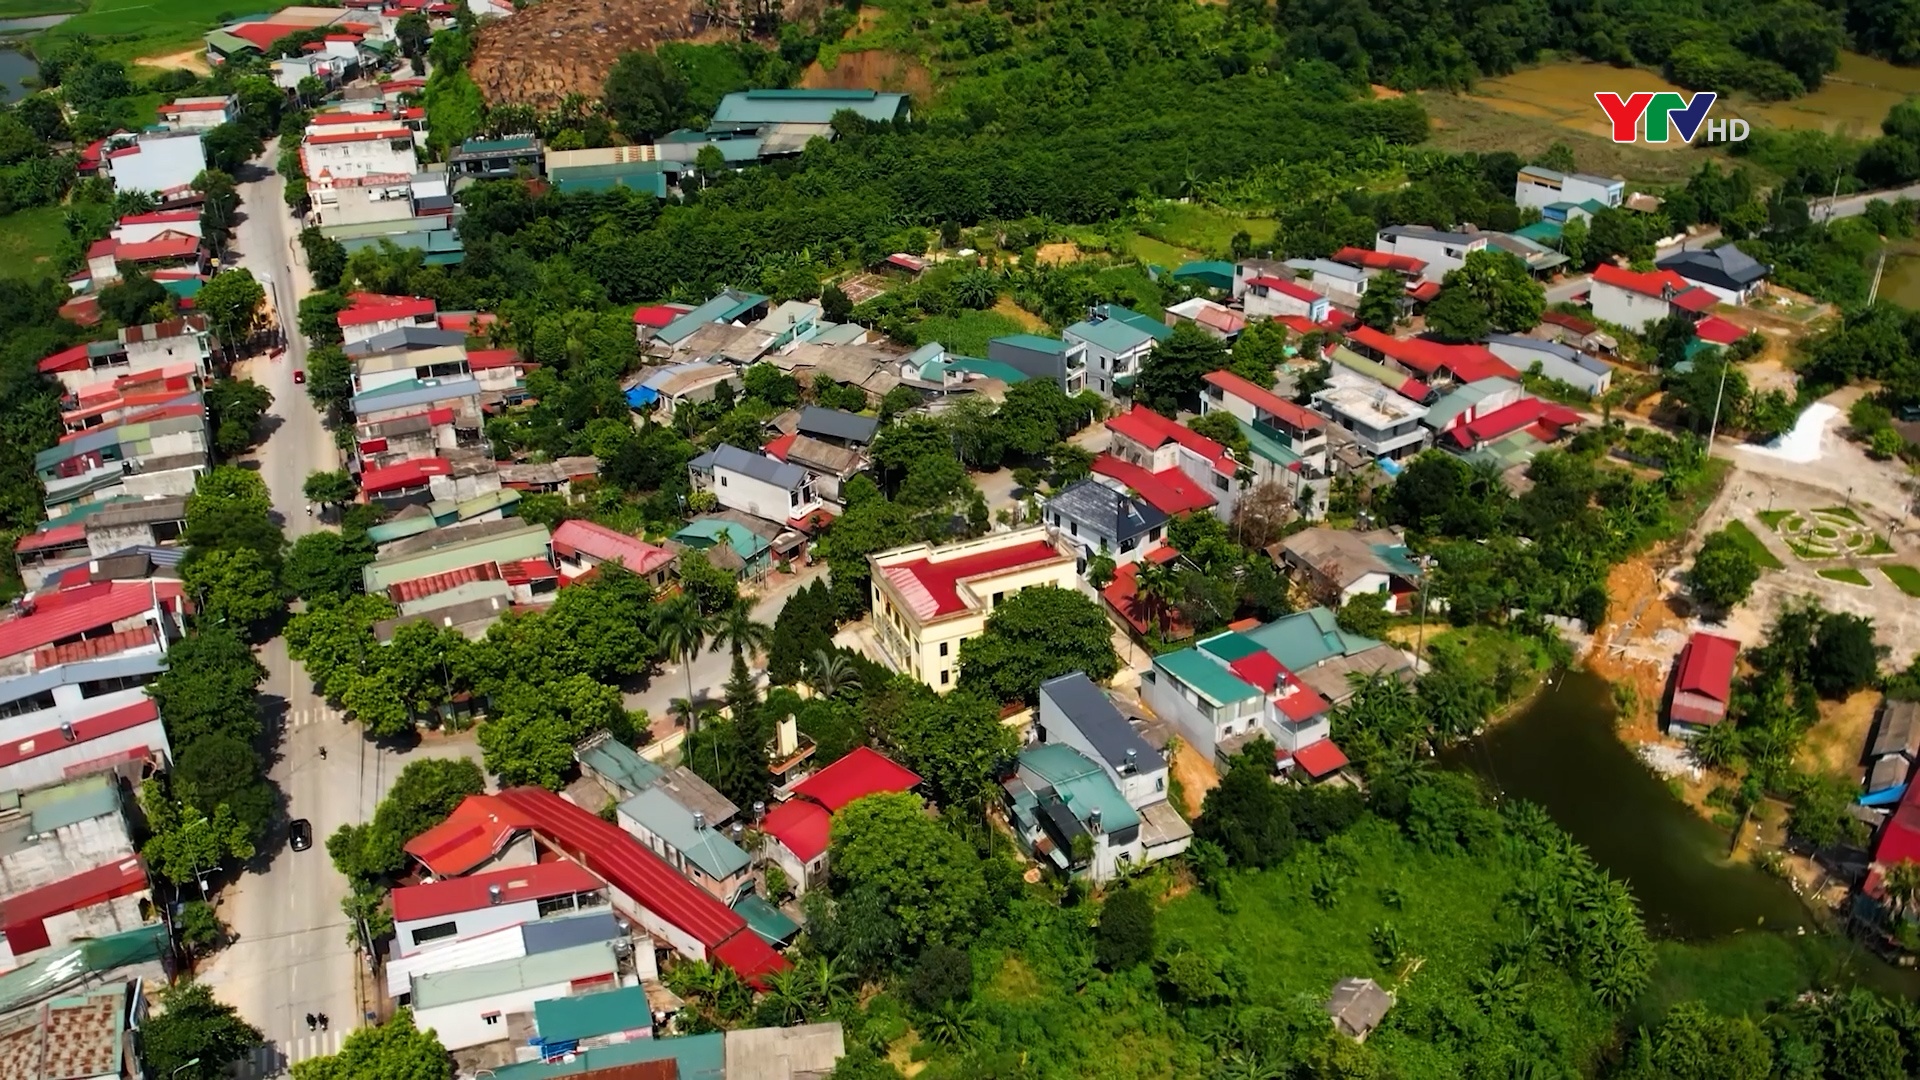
(1230, 646)
(1208, 679)
(1461, 398)
(506, 976)
(527, 543)
(78, 806)
(1306, 638)
(570, 1019)
(1034, 342)
(400, 528)
(82, 513)
(499, 146)
(1213, 272)
(71, 964)
(1113, 335)
(766, 920)
(1160, 331)
(444, 258)
(226, 43)
(1541, 232)
(619, 763)
(704, 846)
(1354, 362)
(183, 288)
(700, 1057)
(935, 370)
(1592, 206)
(1081, 784)
(706, 532)
(1268, 446)
(806, 106)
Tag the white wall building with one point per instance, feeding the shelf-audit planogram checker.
(1440, 250)
(163, 163)
(1540, 187)
(1269, 298)
(755, 484)
(469, 1007)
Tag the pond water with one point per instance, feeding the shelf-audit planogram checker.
(15, 68)
(31, 25)
(1562, 753)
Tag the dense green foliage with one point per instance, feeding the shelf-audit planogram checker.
(194, 1036)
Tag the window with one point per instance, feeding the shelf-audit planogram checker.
(491, 1019)
(723, 481)
(1129, 544)
(1220, 482)
(434, 932)
(944, 672)
(943, 648)
(1073, 528)
(1159, 783)
(997, 597)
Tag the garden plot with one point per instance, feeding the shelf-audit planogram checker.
(1835, 532)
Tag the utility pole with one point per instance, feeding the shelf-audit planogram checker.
(1718, 396)
(1874, 292)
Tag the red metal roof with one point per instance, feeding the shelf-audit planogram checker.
(1299, 324)
(1169, 491)
(161, 217)
(333, 118)
(1261, 669)
(1469, 363)
(1900, 839)
(86, 730)
(101, 607)
(1425, 291)
(1380, 260)
(1285, 288)
(517, 885)
(576, 537)
(194, 106)
(1151, 430)
(863, 772)
(1321, 758)
(413, 589)
(1571, 322)
(1719, 331)
(95, 647)
(802, 825)
(167, 245)
(1695, 300)
(405, 474)
(1303, 419)
(1652, 283)
(261, 34)
(657, 316)
(326, 138)
(123, 877)
(488, 359)
(476, 831)
(648, 880)
(54, 537)
(364, 313)
(1706, 666)
(1511, 418)
(1123, 595)
(778, 448)
(940, 579)
(527, 570)
(1221, 319)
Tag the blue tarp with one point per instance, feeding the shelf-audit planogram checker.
(642, 396)
(1883, 798)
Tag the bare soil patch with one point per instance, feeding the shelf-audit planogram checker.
(1385, 93)
(1836, 741)
(871, 69)
(1197, 776)
(194, 60)
(1057, 254)
(1027, 319)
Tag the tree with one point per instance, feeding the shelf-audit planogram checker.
(767, 383)
(131, 300)
(195, 1037)
(532, 733)
(395, 1050)
(333, 487)
(955, 742)
(412, 32)
(682, 631)
(1457, 316)
(326, 261)
(712, 589)
(199, 928)
(835, 305)
(1723, 572)
(1259, 349)
(230, 146)
(1844, 657)
(1032, 636)
(918, 871)
(1380, 304)
(645, 95)
(219, 770)
(237, 406)
(803, 627)
(235, 586)
(231, 301)
(943, 975)
(422, 796)
(1221, 426)
(1100, 569)
(1170, 378)
(184, 843)
(829, 672)
(208, 687)
(324, 563)
(1364, 614)
(735, 629)
(1693, 1043)
(1248, 815)
(1126, 932)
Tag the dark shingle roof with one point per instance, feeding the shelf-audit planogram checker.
(1100, 507)
(1725, 265)
(836, 424)
(1089, 709)
(759, 466)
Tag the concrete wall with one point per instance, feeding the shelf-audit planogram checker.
(1632, 310)
(464, 1024)
(738, 491)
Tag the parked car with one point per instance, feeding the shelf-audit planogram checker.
(300, 834)
(299, 376)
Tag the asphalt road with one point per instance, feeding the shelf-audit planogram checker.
(291, 954)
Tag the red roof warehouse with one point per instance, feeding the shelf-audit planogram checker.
(1703, 680)
(666, 904)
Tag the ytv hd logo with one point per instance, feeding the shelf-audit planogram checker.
(1667, 109)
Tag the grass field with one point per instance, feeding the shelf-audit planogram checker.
(1159, 252)
(126, 29)
(1761, 556)
(28, 239)
(1853, 100)
(1205, 229)
(968, 333)
(1904, 578)
(1846, 575)
(28, 9)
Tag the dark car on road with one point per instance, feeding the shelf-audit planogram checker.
(300, 833)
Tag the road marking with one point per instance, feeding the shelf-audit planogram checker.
(300, 718)
(275, 1060)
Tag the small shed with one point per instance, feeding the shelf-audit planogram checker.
(1357, 1007)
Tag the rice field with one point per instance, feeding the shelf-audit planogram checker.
(1852, 101)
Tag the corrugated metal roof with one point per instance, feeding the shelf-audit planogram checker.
(506, 976)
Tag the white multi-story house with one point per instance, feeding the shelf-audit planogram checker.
(1272, 298)
(1228, 689)
(755, 484)
(1442, 251)
(199, 113)
(1115, 350)
(1094, 516)
(1636, 301)
(1540, 187)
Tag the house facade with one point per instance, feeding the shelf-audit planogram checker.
(700, 850)
(1344, 564)
(1114, 350)
(163, 164)
(458, 908)
(1228, 690)
(1441, 250)
(1731, 275)
(1272, 298)
(927, 600)
(1039, 357)
(1540, 187)
(797, 828)
(1702, 684)
(1582, 371)
(1091, 517)
(754, 483)
(1636, 300)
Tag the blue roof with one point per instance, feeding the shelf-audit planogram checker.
(704, 846)
(641, 397)
(724, 308)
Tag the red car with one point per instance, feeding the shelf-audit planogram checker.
(299, 376)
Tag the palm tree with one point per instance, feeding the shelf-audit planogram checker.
(829, 984)
(830, 672)
(736, 629)
(1156, 587)
(683, 631)
(787, 993)
(682, 709)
